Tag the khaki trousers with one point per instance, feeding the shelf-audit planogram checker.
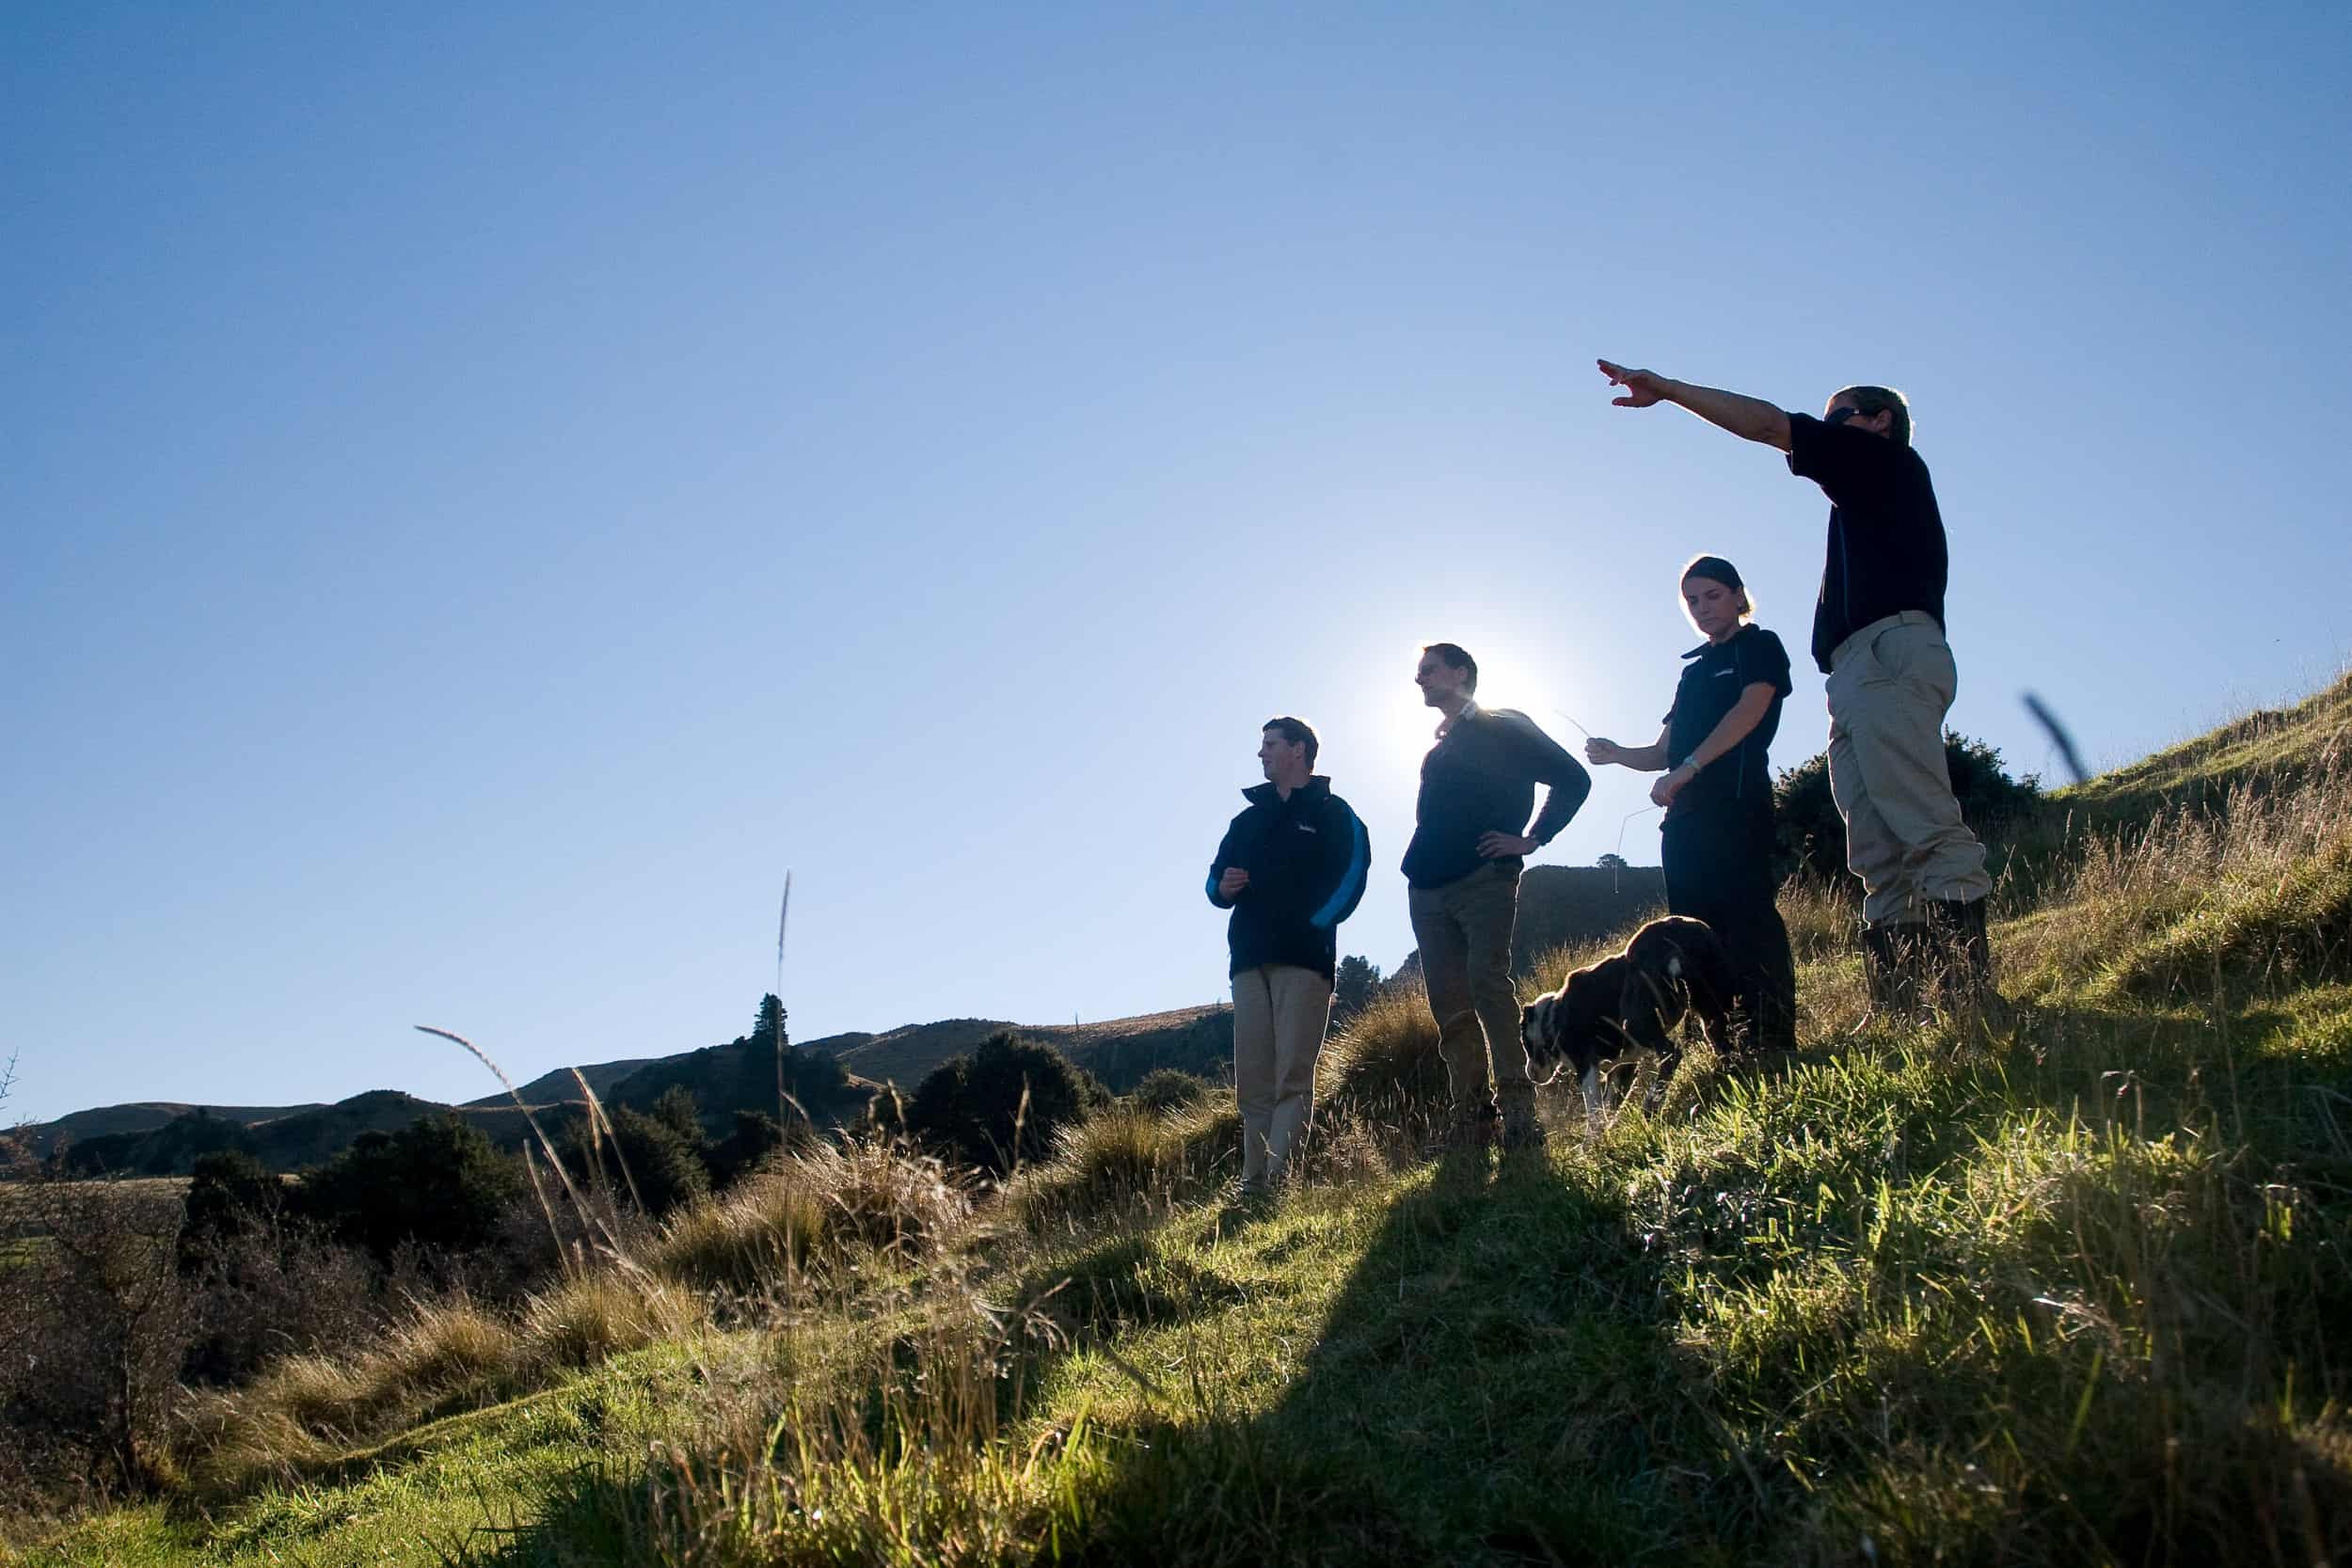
(1464, 929)
(1280, 1013)
(1890, 686)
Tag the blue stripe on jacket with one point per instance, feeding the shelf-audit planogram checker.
(1343, 898)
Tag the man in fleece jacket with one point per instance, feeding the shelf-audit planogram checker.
(1290, 868)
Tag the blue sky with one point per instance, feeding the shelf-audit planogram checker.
(490, 488)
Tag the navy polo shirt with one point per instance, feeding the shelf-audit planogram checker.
(1711, 682)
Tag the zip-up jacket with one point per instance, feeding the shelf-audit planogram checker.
(1306, 857)
(1482, 779)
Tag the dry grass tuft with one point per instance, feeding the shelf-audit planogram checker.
(591, 1317)
(1125, 1160)
(1384, 1065)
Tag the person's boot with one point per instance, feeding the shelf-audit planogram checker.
(1477, 1125)
(1895, 956)
(1964, 954)
(1520, 1129)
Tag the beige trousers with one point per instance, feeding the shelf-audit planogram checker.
(1890, 686)
(1464, 929)
(1280, 1013)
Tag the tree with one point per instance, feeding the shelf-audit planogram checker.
(767, 1025)
(644, 1153)
(1357, 980)
(437, 1181)
(1002, 1104)
(675, 1109)
(757, 1136)
(1613, 862)
(1811, 837)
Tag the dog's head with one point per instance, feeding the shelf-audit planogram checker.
(1571, 1027)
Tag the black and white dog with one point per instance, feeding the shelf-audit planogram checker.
(1672, 967)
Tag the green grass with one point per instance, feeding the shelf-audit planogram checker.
(2067, 1292)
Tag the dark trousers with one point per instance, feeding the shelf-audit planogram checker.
(1719, 869)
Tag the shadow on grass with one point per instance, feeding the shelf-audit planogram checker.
(1492, 1383)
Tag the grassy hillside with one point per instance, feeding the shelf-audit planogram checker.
(2068, 1290)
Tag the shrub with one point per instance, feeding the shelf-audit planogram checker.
(272, 1288)
(230, 1193)
(1002, 1104)
(1168, 1089)
(757, 1137)
(665, 1169)
(438, 1182)
(94, 1321)
(1810, 836)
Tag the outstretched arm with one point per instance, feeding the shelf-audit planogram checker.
(1750, 419)
(1642, 759)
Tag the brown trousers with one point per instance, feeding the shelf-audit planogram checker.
(1280, 1013)
(1464, 929)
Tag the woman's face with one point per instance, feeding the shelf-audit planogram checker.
(1714, 607)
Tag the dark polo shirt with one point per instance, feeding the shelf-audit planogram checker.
(1711, 682)
(1887, 551)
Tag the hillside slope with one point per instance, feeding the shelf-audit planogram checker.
(2069, 1289)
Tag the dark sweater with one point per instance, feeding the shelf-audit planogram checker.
(1482, 779)
(1306, 857)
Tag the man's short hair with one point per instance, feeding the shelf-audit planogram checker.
(1456, 657)
(1296, 732)
(1868, 400)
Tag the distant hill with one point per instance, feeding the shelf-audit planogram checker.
(307, 1137)
(146, 1115)
(557, 1087)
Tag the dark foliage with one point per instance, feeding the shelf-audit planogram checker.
(1811, 837)
(230, 1194)
(438, 1182)
(665, 1168)
(757, 1136)
(1002, 1104)
(94, 1321)
(1357, 980)
(742, 1075)
(1168, 1090)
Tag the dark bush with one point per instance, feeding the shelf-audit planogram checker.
(94, 1320)
(1166, 1089)
(757, 1136)
(230, 1194)
(1811, 837)
(1352, 987)
(275, 1286)
(665, 1168)
(1001, 1105)
(438, 1182)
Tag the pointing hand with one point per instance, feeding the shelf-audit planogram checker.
(1641, 388)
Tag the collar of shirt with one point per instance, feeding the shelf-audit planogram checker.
(1445, 727)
